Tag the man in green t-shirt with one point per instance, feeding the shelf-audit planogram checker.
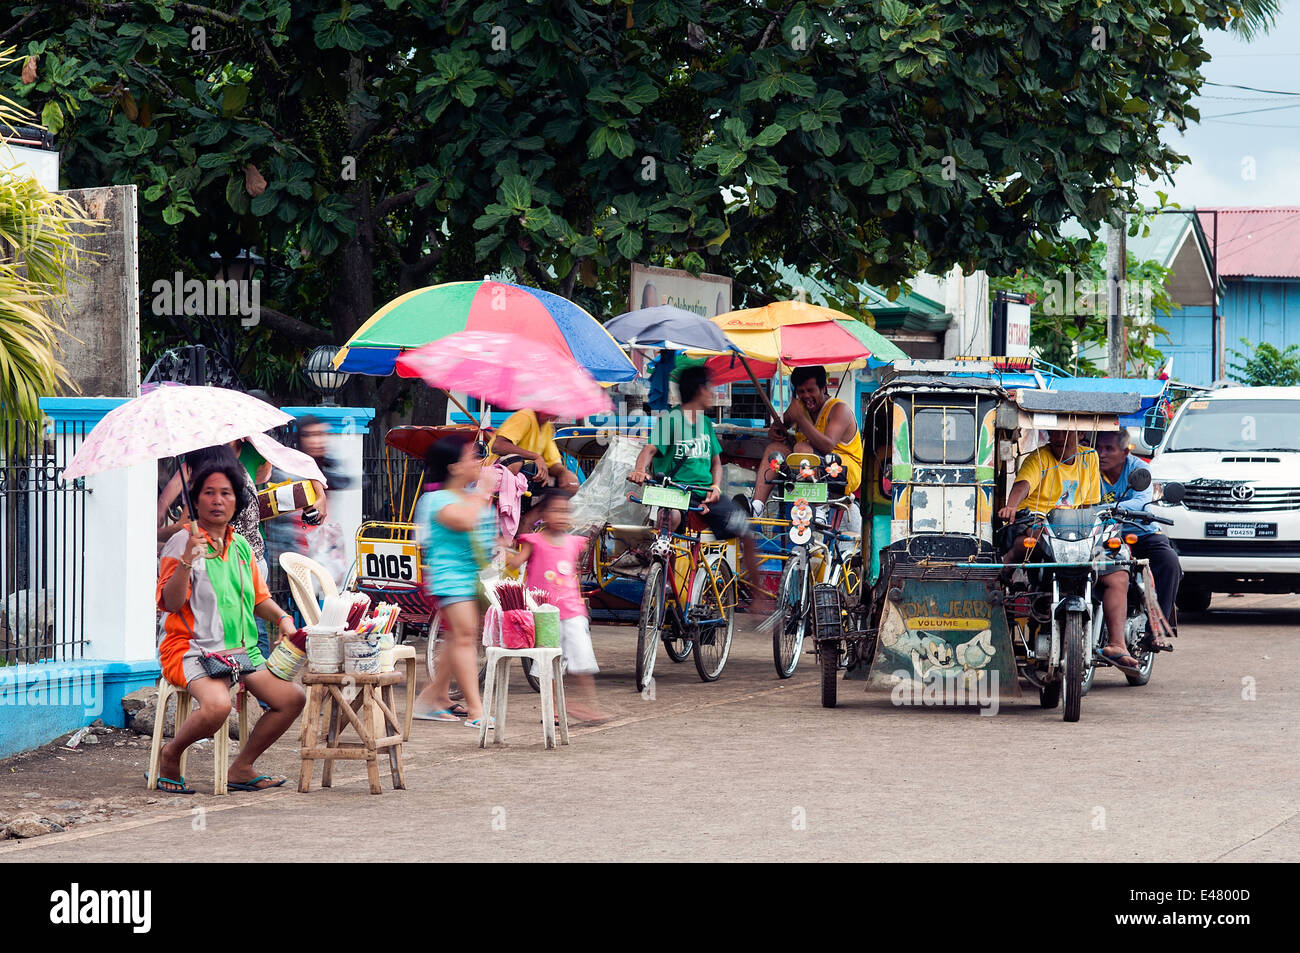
(684, 447)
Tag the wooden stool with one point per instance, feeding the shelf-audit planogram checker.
(406, 653)
(221, 740)
(496, 693)
(366, 710)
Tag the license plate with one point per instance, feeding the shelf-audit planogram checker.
(389, 562)
(1241, 530)
(812, 492)
(668, 497)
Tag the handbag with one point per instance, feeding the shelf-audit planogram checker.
(221, 665)
(279, 498)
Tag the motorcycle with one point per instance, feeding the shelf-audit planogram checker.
(1068, 551)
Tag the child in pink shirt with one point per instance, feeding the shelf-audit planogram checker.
(553, 567)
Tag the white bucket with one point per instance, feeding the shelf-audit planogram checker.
(386, 661)
(359, 648)
(324, 652)
(362, 666)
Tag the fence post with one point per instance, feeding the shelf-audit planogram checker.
(118, 550)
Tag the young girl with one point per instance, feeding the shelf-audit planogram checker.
(552, 557)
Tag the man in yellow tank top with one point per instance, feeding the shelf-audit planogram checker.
(822, 424)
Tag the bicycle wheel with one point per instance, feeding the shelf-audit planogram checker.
(792, 603)
(530, 676)
(677, 648)
(829, 653)
(713, 640)
(650, 624)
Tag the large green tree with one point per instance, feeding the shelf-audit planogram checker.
(365, 149)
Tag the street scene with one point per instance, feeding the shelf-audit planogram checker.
(776, 431)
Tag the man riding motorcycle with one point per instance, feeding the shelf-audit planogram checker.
(1063, 473)
(1117, 466)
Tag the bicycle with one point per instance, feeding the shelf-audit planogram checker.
(690, 596)
(797, 592)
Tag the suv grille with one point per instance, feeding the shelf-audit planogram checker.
(1217, 498)
(1237, 548)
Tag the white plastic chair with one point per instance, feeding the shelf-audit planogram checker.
(301, 572)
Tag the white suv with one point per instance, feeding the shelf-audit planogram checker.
(1237, 453)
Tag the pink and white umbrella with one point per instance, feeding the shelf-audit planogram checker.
(169, 421)
(507, 371)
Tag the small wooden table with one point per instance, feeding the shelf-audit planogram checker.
(366, 703)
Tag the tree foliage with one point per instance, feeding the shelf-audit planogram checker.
(368, 148)
(39, 257)
(1264, 365)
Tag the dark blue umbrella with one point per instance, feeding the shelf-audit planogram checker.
(670, 328)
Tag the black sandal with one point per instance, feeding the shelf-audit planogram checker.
(1151, 645)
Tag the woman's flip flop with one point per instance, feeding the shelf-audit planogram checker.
(442, 714)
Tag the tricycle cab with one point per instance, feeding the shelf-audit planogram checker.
(936, 465)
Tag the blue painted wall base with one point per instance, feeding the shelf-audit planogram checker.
(39, 703)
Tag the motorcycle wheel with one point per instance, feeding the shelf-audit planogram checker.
(1074, 665)
(1147, 662)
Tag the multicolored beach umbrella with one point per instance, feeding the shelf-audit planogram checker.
(429, 314)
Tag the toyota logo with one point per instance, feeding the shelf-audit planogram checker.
(1241, 492)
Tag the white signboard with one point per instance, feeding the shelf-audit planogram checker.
(25, 162)
(1017, 330)
(706, 295)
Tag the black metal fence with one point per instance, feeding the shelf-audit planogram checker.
(42, 546)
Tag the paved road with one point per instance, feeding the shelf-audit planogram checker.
(1198, 766)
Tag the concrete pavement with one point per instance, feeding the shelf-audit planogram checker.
(1197, 766)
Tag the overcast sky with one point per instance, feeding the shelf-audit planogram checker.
(1219, 148)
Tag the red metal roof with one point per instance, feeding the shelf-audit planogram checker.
(1256, 242)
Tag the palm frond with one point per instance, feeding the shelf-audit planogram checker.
(40, 254)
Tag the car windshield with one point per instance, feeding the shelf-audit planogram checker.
(1214, 426)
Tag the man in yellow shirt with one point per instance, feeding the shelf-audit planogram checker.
(821, 423)
(1063, 473)
(1059, 473)
(531, 436)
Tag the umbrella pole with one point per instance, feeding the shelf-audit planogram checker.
(461, 407)
(759, 387)
(185, 490)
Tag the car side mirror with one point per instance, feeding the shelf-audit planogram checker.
(1139, 479)
(1173, 494)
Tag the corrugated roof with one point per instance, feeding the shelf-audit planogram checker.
(1256, 242)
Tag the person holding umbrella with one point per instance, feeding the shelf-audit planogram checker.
(212, 591)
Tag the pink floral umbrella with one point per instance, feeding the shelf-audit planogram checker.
(169, 421)
(507, 371)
